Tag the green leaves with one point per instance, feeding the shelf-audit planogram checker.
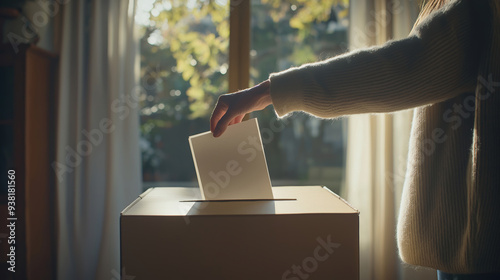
(196, 43)
(307, 11)
(197, 35)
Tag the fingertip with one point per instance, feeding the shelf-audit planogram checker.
(213, 122)
(220, 128)
(217, 132)
(218, 112)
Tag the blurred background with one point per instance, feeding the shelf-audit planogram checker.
(184, 68)
(98, 99)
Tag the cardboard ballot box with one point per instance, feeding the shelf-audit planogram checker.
(304, 233)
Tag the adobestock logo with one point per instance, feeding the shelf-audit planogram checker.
(310, 264)
(121, 108)
(456, 115)
(222, 178)
(47, 9)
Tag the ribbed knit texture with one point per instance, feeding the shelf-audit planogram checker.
(449, 68)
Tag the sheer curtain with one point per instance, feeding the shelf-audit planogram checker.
(98, 161)
(377, 149)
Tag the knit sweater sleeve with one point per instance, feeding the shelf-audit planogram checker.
(437, 61)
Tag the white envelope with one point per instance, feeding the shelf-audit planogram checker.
(232, 166)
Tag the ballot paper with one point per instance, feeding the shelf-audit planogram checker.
(232, 166)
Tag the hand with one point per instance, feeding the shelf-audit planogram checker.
(232, 107)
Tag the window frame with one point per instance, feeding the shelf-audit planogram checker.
(239, 45)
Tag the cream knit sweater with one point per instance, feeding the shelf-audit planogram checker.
(448, 69)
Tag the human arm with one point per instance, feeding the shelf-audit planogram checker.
(436, 62)
(231, 108)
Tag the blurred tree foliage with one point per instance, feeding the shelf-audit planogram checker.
(196, 35)
(184, 62)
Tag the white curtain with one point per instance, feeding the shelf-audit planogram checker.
(377, 149)
(98, 162)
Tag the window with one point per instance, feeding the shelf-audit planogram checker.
(184, 67)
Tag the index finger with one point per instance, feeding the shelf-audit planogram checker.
(219, 111)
